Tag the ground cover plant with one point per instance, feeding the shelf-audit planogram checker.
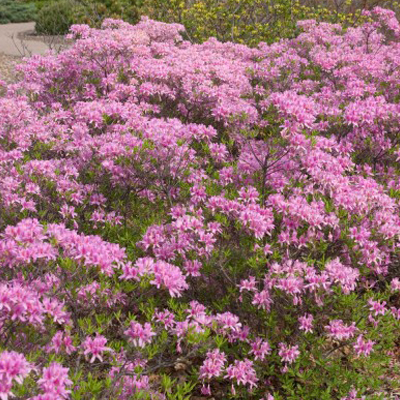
(202, 220)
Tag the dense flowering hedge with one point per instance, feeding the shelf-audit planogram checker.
(182, 221)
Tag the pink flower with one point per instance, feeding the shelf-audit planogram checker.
(363, 347)
(138, 334)
(212, 365)
(352, 395)
(206, 390)
(60, 340)
(193, 267)
(249, 284)
(13, 366)
(228, 322)
(395, 284)
(377, 307)
(243, 372)
(95, 347)
(267, 249)
(263, 299)
(291, 285)
(347, 277)
(260, 349)
(54, 380)
(288, 353)
(165, 317)
(169, 276)
(306, 322)
(340, 331)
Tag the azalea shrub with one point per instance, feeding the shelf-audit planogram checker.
(186, 221)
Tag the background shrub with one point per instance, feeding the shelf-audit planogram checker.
(240, 21)
(253, 21)
(16, 11)
(56, 17)
(94, 11)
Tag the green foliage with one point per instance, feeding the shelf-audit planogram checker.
(241, 21)
(56, 16)
(253, 21)
(97, 10)
(16, 11)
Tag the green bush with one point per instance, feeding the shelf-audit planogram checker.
(252, 21)
(92, 12)
(16, 11)
(55, 18)
(240, 21)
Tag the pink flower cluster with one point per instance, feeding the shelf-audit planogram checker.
(337, 329)
(95, 347)
(213, 365)
(140, 335)
(13, 367)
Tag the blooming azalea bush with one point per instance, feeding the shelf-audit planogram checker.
(208, 220)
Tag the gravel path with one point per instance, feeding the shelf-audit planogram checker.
(13, 47)
(17, 41)
(13, 44)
